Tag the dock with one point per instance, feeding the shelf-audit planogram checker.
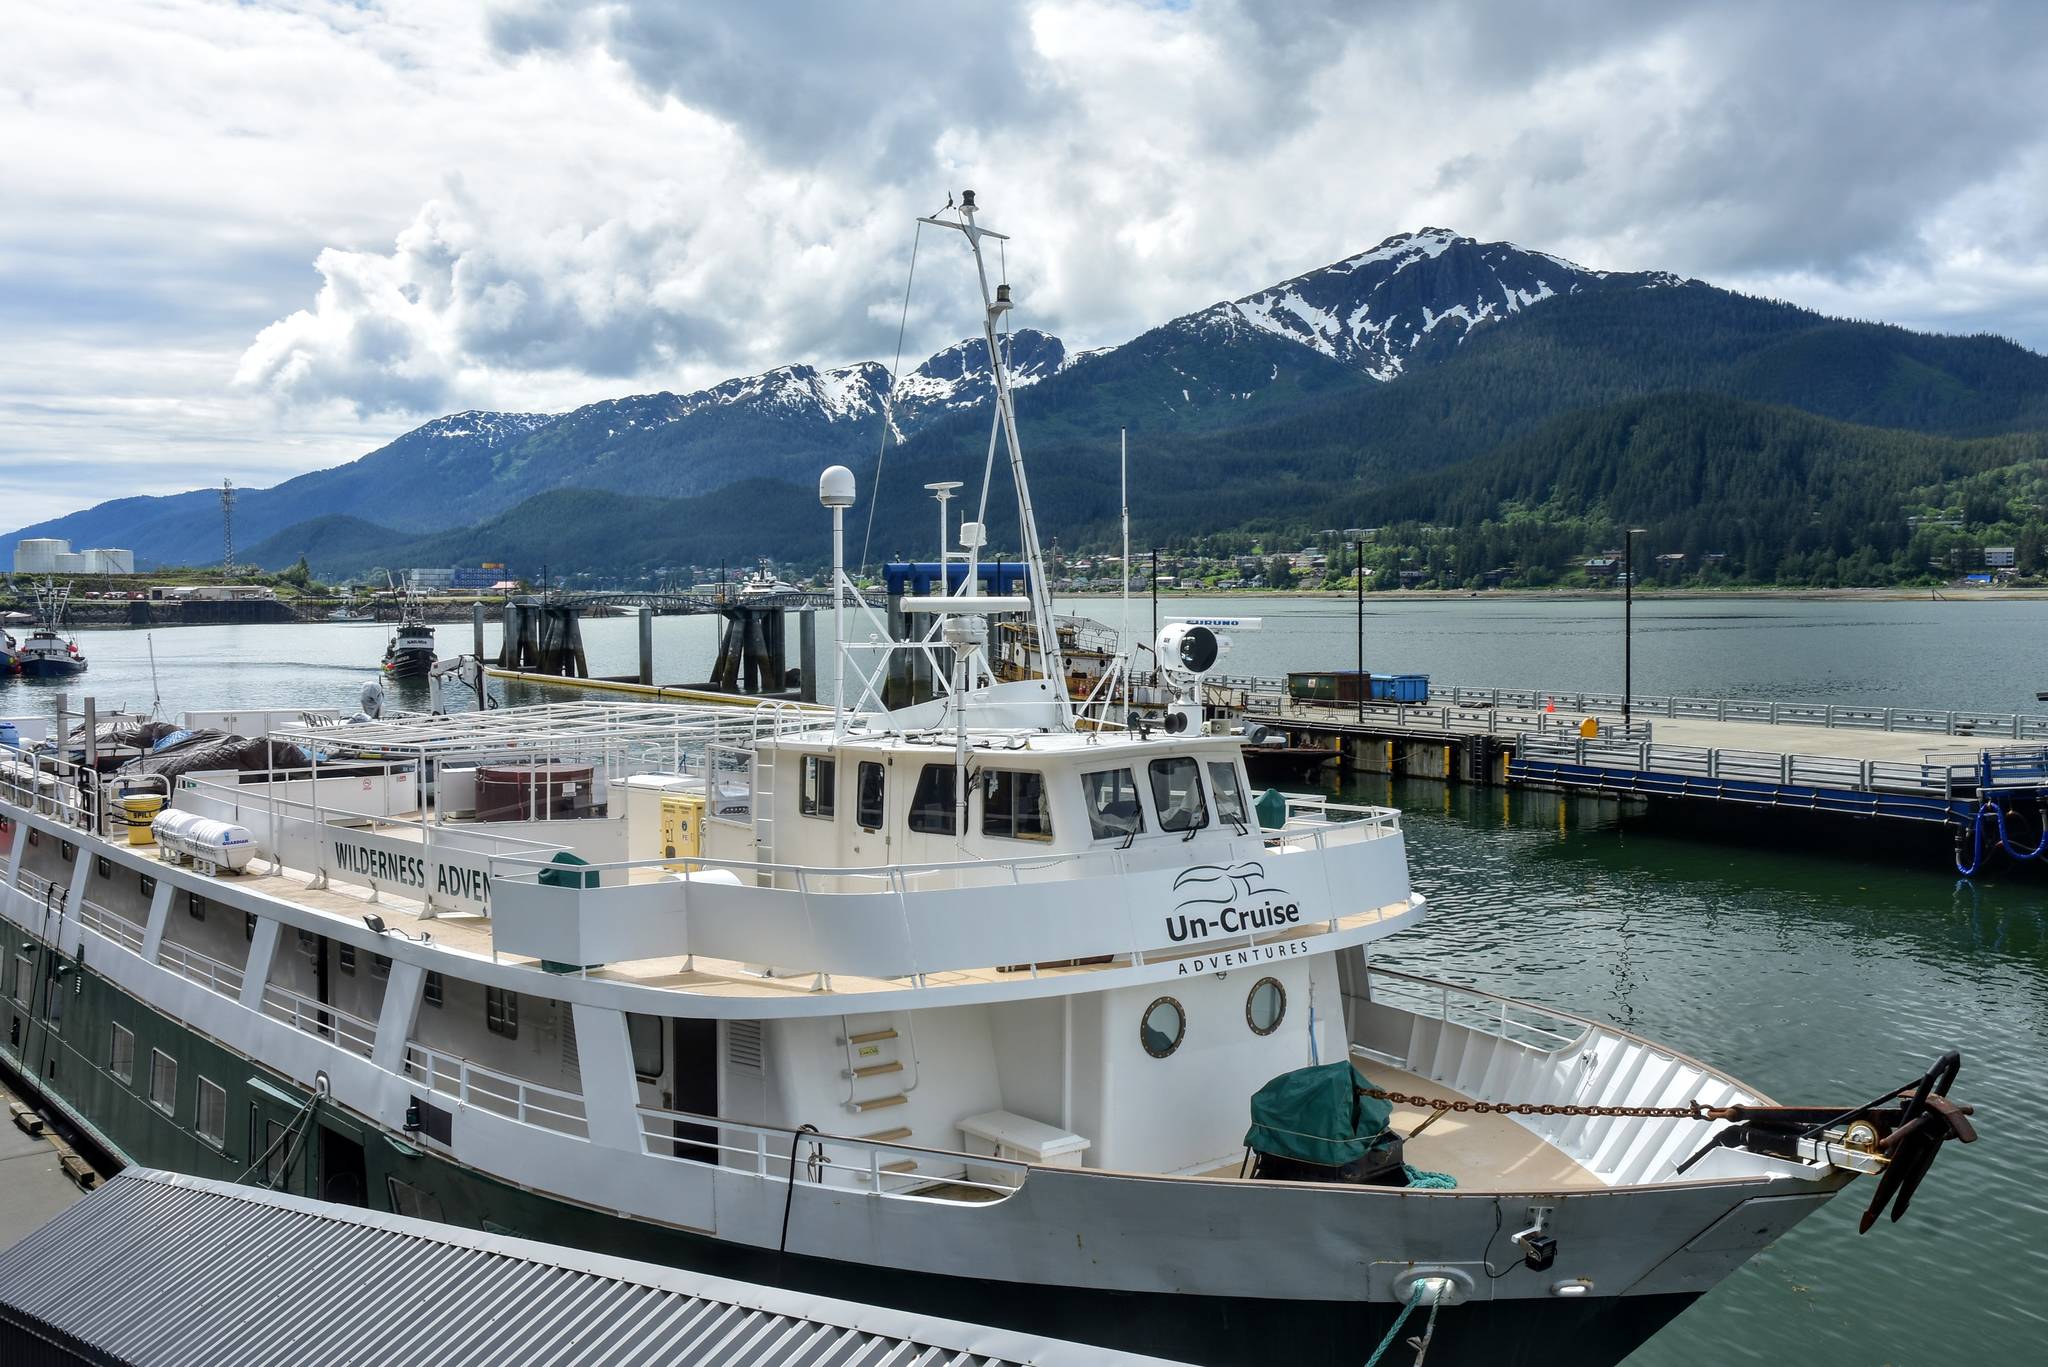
(1957, 769)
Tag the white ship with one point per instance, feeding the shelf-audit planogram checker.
(960, 1008)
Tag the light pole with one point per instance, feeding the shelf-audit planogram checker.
(1155, 593)
(1358, 573)
(1628, 621)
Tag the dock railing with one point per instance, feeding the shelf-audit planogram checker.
(1547, 709)
(1946, 776)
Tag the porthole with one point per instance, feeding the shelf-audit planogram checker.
(1163, 1027)
(1266, 1006)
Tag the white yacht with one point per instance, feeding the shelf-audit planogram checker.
(960, 1007)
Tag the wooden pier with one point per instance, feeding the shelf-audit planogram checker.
(1957, 769)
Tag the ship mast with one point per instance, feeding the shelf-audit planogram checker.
(994, 305)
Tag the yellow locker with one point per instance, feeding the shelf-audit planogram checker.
(682, 827)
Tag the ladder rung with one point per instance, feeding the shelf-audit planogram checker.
(877, 1069)
(871, 1037)
(888, 1136)
(901, 1165)
(879, 1102)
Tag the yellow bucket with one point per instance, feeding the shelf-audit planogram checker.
(140, 810)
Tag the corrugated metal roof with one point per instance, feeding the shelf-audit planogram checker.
(161, 1268)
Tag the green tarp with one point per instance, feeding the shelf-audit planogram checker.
(1317, 1116)
(1272, 809)
(570, 877)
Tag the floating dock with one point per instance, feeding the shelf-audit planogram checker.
(1967, 771)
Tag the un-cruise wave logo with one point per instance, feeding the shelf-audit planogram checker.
(1232, 899)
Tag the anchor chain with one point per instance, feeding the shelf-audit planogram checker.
(1692, 1111)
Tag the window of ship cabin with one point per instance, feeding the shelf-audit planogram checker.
(121, 1054)
(345, 959)
(1177, 794)
(35, 837)
(819, 776)
(407, 1199)
(643, 1033)
(931, 805)
(433, 988)
(1113, 809)
(501, 1012)
(163, 1081)
(249, 926)
(53, 997)
(68, 850)
(196, 905)
(24, 976)
(273, 1147)
(213, 1112)
(103, 866)
(380, 967)
(148, 886)
(1230, 809)
(1013, 805)
(869, 788)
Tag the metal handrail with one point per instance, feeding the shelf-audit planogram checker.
(322, 1019)
(209, 972)
(488, 1089)
(1373, 821)
(1950, 721)
(1934, 776)
(767, 1155)
(112, 924)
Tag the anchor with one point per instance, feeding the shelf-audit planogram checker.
(1897, 1136)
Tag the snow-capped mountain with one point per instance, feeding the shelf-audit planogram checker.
(1410, 300)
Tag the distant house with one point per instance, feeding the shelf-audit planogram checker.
(1603, 566)
(1671, 559)
(2000, 557)
(1413, 578)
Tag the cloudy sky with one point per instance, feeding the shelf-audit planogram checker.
(251, 239)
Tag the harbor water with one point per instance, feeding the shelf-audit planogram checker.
(1813, 975)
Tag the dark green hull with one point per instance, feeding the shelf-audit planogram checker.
(346, 1158)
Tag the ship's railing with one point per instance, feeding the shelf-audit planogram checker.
(321, 1019)
(39, 888)
(209, 972)
(1266, 695)
(1941, 776)
(869, 1165)
(906, 922)
(529, 1103)
(1484, 1012)
(50, 786)
(112, 924)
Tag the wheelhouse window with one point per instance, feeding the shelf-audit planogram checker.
(1113, 809)
(1014, 805)
(163, 1081)
(213, 1112)
(1229, 793)
(148, 886)
(196, 906)
(380, 967)
(1177, 794)
(820, 775)
(345, 959)
(103, 866)
(501, 1012)
(121, 1054)
(433, 988)
(931, 805)
(870, 789)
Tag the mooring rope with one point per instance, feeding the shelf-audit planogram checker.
(1414, 1299)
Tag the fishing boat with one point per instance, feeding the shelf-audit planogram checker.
(48, 653)
(410, 652)
(959, 1007)
(8, 645)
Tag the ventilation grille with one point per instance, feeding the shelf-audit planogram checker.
(743, 1046)
(572, 1066)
